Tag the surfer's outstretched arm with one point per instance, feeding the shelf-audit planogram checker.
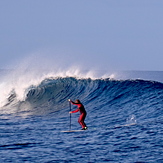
(74, 111)
(71, 101)
(74, 102)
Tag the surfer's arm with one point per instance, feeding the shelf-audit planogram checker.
(74, 111)
(74, 103)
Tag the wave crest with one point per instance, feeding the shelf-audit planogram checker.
(52, 93)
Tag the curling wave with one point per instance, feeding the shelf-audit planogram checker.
(99, 94)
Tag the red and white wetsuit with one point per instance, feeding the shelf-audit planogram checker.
(83, 113)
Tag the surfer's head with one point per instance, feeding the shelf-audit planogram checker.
(77, 101)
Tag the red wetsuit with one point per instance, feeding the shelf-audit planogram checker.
(83, 113)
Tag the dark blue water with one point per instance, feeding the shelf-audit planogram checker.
(125, 122)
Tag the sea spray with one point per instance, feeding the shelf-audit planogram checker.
(131, 120)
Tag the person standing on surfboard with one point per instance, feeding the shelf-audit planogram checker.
(83, 113)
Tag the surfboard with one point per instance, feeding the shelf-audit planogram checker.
(73, 131)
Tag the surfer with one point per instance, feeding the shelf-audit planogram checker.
(83, 113)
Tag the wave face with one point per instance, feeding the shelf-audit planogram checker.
(138, 97)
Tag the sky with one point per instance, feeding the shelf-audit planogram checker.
(92, 34)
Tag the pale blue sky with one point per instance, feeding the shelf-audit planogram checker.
(98, 34)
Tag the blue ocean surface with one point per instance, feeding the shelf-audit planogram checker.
(124, 118)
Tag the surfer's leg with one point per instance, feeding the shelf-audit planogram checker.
(81, 120)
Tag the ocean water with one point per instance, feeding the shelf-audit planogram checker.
(124, 117)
